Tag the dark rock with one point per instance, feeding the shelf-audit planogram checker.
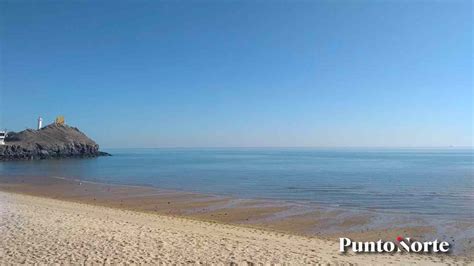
(52, 141)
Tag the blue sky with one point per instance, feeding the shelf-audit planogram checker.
(241, 73)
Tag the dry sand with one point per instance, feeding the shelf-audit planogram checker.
(43, 230)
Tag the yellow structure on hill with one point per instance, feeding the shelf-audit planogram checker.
(59, 120)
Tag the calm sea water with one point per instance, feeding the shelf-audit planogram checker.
(421, 181)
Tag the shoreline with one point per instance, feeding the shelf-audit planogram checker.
(45, 230)
(267, 200)
(316, 222)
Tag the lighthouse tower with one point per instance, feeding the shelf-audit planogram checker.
(3, 134)
(40, 123)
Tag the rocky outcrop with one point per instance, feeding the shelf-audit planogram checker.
(52, 141)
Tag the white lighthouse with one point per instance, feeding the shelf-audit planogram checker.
(3, 134)
(40, 123)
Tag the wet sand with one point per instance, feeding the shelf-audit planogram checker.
(323, 224)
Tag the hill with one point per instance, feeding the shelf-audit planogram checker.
(52, 141)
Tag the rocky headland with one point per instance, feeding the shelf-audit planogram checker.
(52, 141)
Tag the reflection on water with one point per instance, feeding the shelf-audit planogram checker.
(421, 181)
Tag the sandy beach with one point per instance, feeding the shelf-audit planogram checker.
(43, 230)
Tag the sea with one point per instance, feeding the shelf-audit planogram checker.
(431, 182)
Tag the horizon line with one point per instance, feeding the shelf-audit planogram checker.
(296, 147)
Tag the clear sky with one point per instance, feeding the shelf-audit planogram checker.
(241, 73)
